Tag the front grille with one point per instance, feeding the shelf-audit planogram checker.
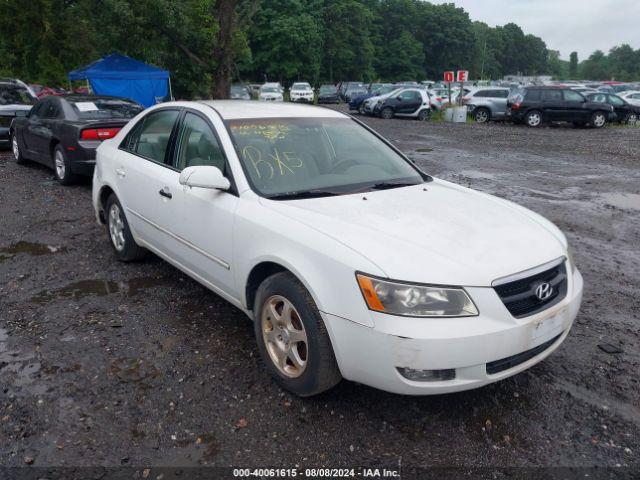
(503, 364)
(520, 297)
(5, 121)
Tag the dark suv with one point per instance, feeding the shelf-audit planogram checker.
(536, 105)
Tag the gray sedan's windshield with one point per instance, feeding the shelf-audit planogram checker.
(334, 155)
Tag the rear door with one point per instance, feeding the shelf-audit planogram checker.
(498, 102)
(146, 182)
(553, 104)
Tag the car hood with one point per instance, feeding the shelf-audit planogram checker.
(437, 232)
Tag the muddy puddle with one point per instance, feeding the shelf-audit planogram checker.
(626, 201)
(33, 249)
(99, 288)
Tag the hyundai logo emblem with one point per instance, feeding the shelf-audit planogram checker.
(544, 291)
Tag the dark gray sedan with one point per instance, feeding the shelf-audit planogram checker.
(64, 132)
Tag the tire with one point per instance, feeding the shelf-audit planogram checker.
(386, 113)
(423, 115)
(62, 168)
(533, 118)
(15, 148)
(631, 119)
(361, 109)
(307, 366)
(482, 115)
(120, 238)
(598, 119)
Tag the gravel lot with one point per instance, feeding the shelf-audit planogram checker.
(109, 364)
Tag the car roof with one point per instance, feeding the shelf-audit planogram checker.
(234, 109)
(91, 98)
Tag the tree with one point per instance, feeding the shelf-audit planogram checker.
(573, 65)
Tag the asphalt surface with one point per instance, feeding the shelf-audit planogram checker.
(106, 364)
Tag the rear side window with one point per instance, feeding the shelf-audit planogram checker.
(552, 95)
(154, 135)
(533, 95)
(572, 96)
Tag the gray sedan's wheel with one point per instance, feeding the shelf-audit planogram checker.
(481, 115)
(292, 338)
(61, 167)
(534, 118)
(387, 113)
(124, 246)
(15, 148)
(598, 120)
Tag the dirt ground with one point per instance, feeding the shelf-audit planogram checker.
(106, 364)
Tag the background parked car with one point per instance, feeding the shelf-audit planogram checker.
(328, 94)
(353, 91)
(368, 106)
(632, 97)
(343, 86)
(271, 92)
(42, 91)
(301, 92)
(537, 105)
(625, 112)
(410, 102)
(64, 132)
(486, 104)
(240, 92)
(357, 101)
(16, 99)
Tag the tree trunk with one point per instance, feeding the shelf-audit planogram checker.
(224, 55)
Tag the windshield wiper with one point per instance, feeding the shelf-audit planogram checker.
(304, 194)
(387, 185)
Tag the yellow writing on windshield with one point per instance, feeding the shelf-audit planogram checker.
(276, 163)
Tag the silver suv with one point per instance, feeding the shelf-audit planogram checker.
(487, 103)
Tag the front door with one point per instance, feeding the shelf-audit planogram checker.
(408, 102)
(574, 105)
(204, 225)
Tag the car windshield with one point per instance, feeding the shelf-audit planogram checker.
(97, 108)
(300, 86)
(15, 95)
(383, 90)
(328, 89)
(238, 89)
(270, 89)
(357, 91)
(285, 156)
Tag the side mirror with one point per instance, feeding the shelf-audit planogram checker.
(204, 177)
(399, 98)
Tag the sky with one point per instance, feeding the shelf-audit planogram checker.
(565, 25)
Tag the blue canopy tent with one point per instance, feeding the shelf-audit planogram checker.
(121, 76)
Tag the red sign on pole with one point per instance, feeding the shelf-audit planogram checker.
(463, 75)
(448, 77)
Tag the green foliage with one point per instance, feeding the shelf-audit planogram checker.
(281, 40)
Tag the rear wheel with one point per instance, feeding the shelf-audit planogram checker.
(423, 115)
(124, 246)
(361, 109)
(387, 113)
(61, 167)
(292, 338)
(17, 153)
(481, 115)
(598, 120)
(533, 118)
(631, 119)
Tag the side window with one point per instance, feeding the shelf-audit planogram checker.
(552, 95)
(154, 134)
(571, 96)
(533, 95)
(502, 93)
(131, 140)
(50, 110)
(615, 101)
(480, 94)
(197, 145)
(599, 98)
(37, 110)
(410, 95)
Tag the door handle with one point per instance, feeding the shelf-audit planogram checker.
(121, 173)
(165, 193)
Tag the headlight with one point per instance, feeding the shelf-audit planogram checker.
(415, 300)
(572, 265)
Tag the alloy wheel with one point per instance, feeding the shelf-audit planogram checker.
(534, 119)
(116, 227)
(15, 148)
(59, 164)
(481, 116)
(284, 336)
(599, 120)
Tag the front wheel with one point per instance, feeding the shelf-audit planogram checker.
(598, 120)
(124, 246)
(387, 113)
(631, 119)
(292, 338)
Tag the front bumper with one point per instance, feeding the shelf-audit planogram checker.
(372, 356)
(302, 99)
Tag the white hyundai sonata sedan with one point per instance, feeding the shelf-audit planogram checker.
(351, 262)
